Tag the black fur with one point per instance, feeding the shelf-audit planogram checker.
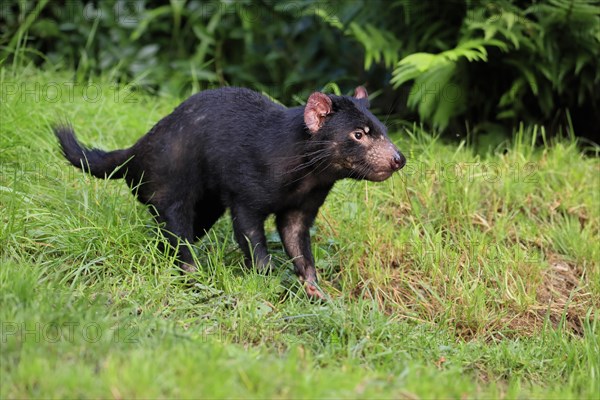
(234, 148)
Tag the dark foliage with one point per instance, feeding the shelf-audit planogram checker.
(461, 66)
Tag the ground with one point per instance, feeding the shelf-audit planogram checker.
(469, 274)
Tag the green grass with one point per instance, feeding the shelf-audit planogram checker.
(463, 276)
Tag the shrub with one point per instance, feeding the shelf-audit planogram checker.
(484, 65)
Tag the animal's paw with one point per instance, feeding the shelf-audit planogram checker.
(264, 268)
(188, 268)
(313, 291)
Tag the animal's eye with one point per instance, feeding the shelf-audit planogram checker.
(358, 135)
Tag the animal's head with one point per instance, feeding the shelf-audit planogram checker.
(357, 141)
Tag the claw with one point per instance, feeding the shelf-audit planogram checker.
(313, 291)
(188, 268)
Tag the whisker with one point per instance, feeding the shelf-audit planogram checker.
(320, 160)
(312, 161)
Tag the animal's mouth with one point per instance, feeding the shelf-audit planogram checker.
(370, 173)
(378, 175)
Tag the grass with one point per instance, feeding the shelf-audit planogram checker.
(464, 276)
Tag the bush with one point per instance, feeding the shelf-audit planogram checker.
(484, 65)
(280, 48)
(510, 63)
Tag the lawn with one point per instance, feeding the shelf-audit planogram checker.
(467, 275)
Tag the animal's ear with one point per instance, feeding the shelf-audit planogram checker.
(317, 108)
(360, 93)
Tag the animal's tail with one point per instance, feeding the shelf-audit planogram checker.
(101, 164)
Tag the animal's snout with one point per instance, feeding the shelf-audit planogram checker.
(398, 161)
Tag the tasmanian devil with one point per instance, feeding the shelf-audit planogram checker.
(232, 148)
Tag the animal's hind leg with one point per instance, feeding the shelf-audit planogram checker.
(177, 226)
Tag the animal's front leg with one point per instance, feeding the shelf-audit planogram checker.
(249, 232)
(293, 227)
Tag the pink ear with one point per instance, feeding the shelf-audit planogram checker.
(361, 93)
(317, 108)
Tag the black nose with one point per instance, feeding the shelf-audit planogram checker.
(398, 161)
